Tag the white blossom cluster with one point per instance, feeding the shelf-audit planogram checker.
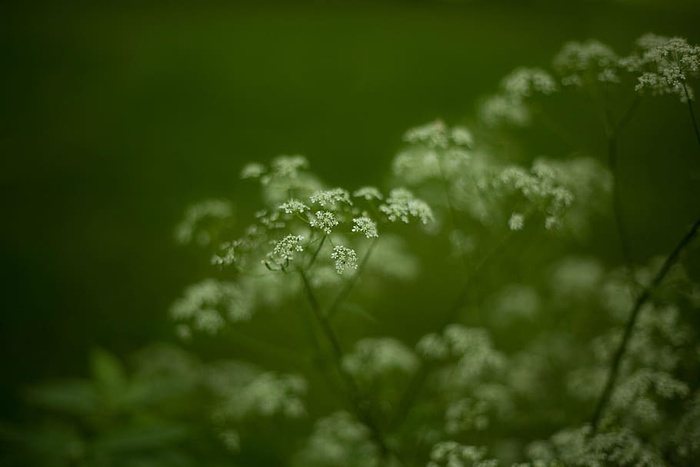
(266, 395)
(579, 447)
(209, 304)
(472, 347)
(284, 251)
(373, 357)
(666, 65)
(344, 258)
(453, 454)
(583, 63)
(193, 228)
(435, 152)
(510, 106)
(338, 440)
(540, 188)
(401, 205)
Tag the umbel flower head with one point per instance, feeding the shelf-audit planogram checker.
(666, 64)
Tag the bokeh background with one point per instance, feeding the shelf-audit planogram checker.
(115, 117)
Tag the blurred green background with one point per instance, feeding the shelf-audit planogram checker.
(114, 118)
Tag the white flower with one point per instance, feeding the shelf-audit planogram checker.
(366, 226)
(373, 357)
(324, 220)
(344, 258)
(580, 63)
(267, 395)
(284, 250)
(330, 198)
(368, 193)
(253, 170)
(524, 82)
(516, 221)
(433, 134)
(210, 302)
(288, 166)
(293, 206)
(401, 205)
(666, 65)
(189, 229)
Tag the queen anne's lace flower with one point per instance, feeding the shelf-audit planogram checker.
(368, 193)
(402, 205)
(365, 226)
(344, 258)
(373, 357)
(453, 454)
(331, 198)
(516, 221)
(584, 63)
(293, 207)
(190, 228)
(284, 250)
(208, 304)
(324, 220)
(666, 65)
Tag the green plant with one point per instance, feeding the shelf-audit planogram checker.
(518, 352)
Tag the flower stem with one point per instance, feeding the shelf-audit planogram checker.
(642, 299)
(692, 114)
(355, 397)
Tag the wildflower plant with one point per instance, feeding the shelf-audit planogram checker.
(461, 395)
(524, 356)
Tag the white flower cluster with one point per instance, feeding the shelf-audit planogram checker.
(365, 226)
(344, 258)
(324, 220)
(402, 205)
(666, 64)
(453, 454)
(285, 175)
(636, 397)
(338, 440)
(509, 106)
(437, 135)
(584, 63)
(466, 415)
(293, 206)
(540, 187)
(579, 447)
(207, 305)
(331, 198)
(192, 229)
(436, 152)
(368, 193)
(373, 357)
(471, 347)
(266, 395)
(284, 251)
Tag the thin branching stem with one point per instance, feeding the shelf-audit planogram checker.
(355, 397)
(692, 114)
(642, 299)
(415, 386)
(451, 210)
(349, 285)
(613, 131)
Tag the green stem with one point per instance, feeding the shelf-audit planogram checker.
(692, 114)
(419, 378)
(355, 398)
(349, 285)
(642, 299)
